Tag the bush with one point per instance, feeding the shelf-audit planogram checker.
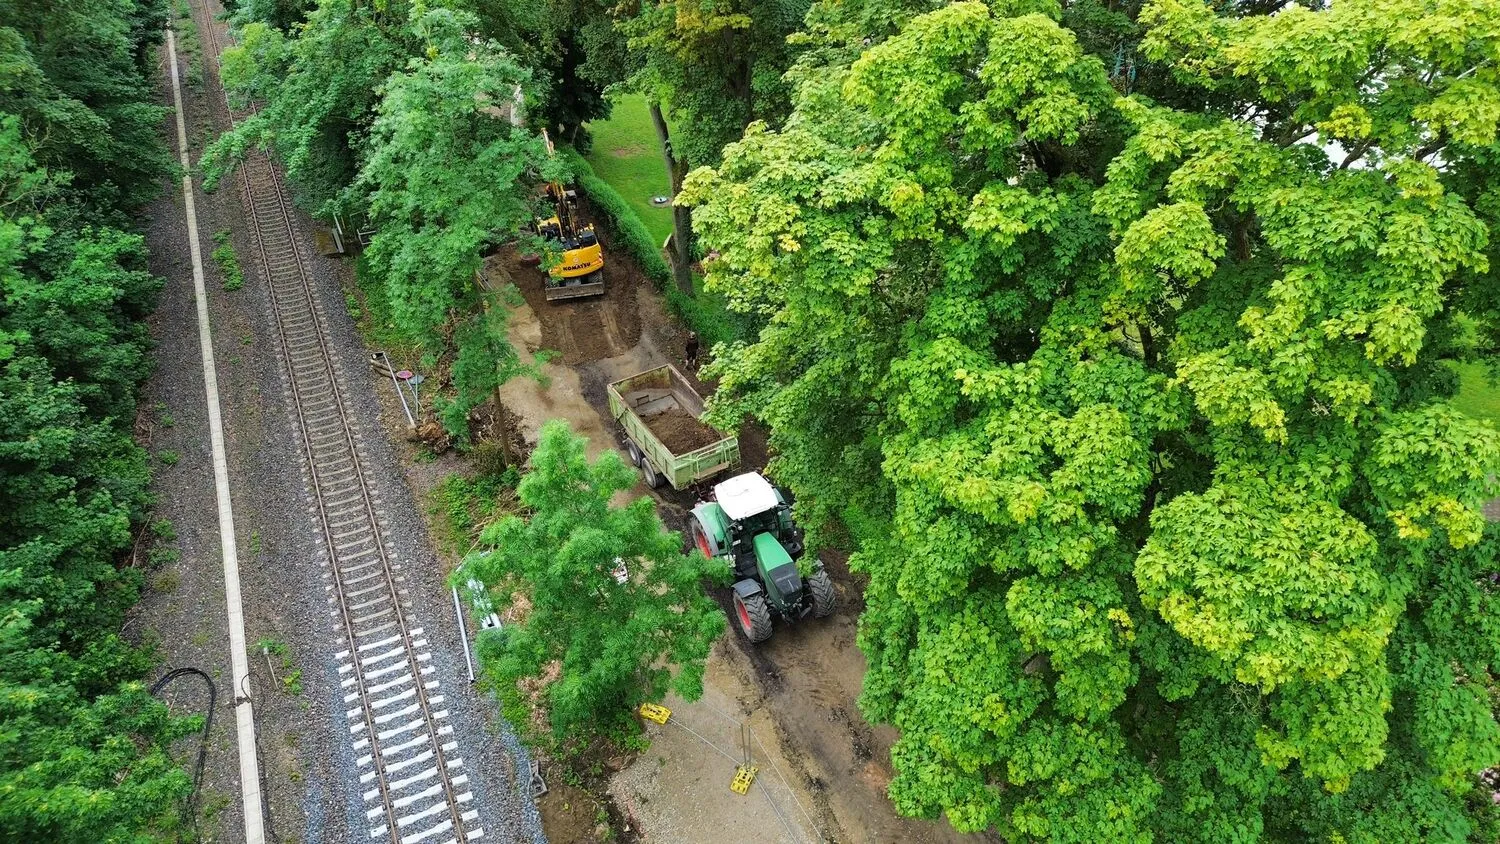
(229, 263)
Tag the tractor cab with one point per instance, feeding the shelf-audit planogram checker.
(750, 524)
(759, 518)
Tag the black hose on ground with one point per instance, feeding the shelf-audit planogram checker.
(208, 725)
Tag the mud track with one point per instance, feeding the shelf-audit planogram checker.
(585, 329)
(809, 674)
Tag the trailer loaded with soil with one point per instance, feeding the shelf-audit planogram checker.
(657, 412)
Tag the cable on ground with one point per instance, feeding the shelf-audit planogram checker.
(191, 808)
(767, 754)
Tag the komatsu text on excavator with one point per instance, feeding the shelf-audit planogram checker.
(580, 269)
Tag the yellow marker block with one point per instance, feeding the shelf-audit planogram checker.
(655, 712)
(742, 779)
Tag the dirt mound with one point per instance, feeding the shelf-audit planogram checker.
(680, 431)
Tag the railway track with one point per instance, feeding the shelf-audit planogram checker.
(412, 783)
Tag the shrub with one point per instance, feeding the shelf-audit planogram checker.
(630, 233)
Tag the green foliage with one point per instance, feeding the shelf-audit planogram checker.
(437, 134)
(717, 67)
(319, 90)
(164, 530)
(707, 313)
(463, 506)
(375, 319)
(1134, 408)
(227, 261)
(76, 77)
(608, 645)
(560, 42)
(399, 117)
(83, 751)
(630, 234)
(187, 43)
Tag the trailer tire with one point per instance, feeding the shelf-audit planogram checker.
(753, 617)
(824, 599)
(649, 473)
(634, 451)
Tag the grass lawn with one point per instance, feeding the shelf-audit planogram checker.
(1476, 395)
(627, 155)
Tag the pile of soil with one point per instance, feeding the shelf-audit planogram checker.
(681, 431)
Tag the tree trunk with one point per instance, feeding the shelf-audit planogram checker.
(681, 254)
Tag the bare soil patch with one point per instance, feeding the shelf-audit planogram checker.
(583, 330)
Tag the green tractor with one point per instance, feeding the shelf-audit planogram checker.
(749, 523)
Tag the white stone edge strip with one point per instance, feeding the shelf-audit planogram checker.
(244, 715)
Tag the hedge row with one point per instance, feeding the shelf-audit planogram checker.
(704, 313)
(628, 229)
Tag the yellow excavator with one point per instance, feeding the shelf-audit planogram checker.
(580, 271)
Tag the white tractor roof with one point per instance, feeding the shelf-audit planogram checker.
(745, 495)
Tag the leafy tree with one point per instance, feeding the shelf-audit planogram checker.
(556, 42)
(715, 68)
(443, 128)
(416, 116)
(75, 75)
(605, 645)
(1133, 408)
(83, 750)
(319, 89)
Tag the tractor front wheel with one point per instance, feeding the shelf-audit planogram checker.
(753, 616)
(823, 597)
(701, 540)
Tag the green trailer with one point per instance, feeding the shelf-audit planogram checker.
(658, 416)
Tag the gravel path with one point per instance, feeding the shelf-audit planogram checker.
(311, 789)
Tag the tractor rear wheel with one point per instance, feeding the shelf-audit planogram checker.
(753, 616)
(823, 597)
(652, 477)
(634, 451)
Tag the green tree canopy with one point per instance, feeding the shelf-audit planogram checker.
(414, 128)
(74, 73)
(1133, 408)
(716, 66)
(447, 175)
(608, 643)
(83, 746)
(319, 89)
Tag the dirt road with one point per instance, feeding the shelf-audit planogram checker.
(801, 686)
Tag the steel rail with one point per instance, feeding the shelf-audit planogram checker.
(340, 490)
